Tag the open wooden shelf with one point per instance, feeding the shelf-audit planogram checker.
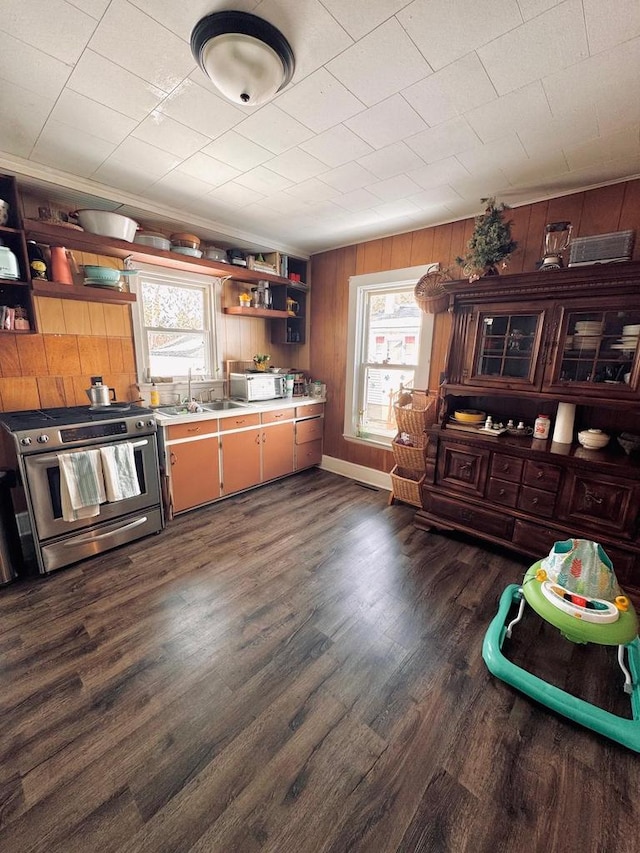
(79, 291)
(83, 241)
(266, 313)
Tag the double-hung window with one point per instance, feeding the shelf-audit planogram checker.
(175, 332)
(389, 345)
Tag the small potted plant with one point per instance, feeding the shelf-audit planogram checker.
(490, 243)
(261, 360)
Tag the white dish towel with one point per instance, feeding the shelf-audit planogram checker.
(81, 484)
(119, 467)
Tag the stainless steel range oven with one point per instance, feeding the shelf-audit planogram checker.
(41, 436)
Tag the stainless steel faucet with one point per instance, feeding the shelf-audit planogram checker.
(189, 397)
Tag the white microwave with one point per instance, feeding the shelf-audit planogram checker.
(256, 386)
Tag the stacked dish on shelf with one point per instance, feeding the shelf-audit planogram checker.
(628, 342)
(186, 244)
(587, 335)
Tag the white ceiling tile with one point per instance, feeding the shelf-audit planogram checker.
(30, 68)
(436, 174)
(314, 35)
(444, 194)
(297, 165)
(452, 91)
(135, 41)
(52, 26)
(554, 40)
(95, 8)
(70, 149)
(123, 175)
(274, 129)
(381, 64)
(439, 142)
(611, 22)
(357, 200)
(237, 151)
(349, 177)
(558, 133)
(163, 132)
(391, 160)
(24, 114)
(336, 146)
(174, 17)
(359, 17)
(522, 108)
(479, 186)
(445, 30)
(394, 188)
(79, 112)
(313, 190)
(102, 80)
(492, 156)
(280, 203)
(178, 187)
(201, 110)
(535, 172)
(593, 176)
(263, 180)
(143, 162)
(208, 169)
(533, 8)
(394, 209)
(387, 122)
(235, 195)
(615, 146)
(319, 101)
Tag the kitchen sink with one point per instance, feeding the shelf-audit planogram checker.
(216, 406)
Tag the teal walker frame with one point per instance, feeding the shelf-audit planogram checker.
(620, 729)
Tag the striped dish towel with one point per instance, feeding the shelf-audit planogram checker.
(81, 484)
(119, 469)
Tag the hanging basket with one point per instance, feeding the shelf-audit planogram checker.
(415, 411)
(410, 456)
(430, 294)
(407, 485)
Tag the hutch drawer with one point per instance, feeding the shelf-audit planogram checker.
(470, 516)
(541, 475)
(536, 501)
(463, 468)
(506, 467)
(503, 492)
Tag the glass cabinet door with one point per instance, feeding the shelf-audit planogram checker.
(506, 348)
(597, 350)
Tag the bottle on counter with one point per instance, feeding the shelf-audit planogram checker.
(488, 424)
(154, 398)
(541, 427)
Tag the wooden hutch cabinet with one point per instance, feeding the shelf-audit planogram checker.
(521, 344)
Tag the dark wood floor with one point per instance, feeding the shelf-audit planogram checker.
(293, 670)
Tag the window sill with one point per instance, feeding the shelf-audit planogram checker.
(376, 441)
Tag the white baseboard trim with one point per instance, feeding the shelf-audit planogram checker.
(368, 476)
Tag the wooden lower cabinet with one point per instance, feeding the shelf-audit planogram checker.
(308, 444)
(241, 454)
(277, 450)
(194, 473)
(528, 498)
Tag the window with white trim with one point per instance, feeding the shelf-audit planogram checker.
(175, 328)
(388, 346)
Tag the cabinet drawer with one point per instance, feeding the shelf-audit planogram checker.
(605, 503)
(277, 416)
(310, 410)
(506, 467)
(535, 539)
(541, 475)
(463, 468)
(502, 492)
(308, 454)
(482, 520)
(193, 429)
(310, 430)
(536, 501)
(239, 421)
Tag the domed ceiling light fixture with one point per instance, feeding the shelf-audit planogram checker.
(247, 59)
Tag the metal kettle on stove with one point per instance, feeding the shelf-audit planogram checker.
(99, 394)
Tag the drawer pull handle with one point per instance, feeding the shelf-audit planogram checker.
(534, 501)
(539, 475)
(591, 498)
(506, 467)
(466, 468)
(466, 515)
(501, 493)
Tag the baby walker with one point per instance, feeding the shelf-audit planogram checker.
(574, 589)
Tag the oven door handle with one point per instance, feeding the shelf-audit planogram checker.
(142, 443)
(83, 540)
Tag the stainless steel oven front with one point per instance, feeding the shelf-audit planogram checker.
(58, 542)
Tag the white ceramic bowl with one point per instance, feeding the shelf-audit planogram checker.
(186, 250)
(108, 224)
(156, 241)
(593, 439)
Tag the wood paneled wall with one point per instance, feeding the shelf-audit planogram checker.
(598, 211)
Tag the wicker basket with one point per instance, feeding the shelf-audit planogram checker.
(417, 414)
(407, 485)
(411, 457)
(429, 293)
